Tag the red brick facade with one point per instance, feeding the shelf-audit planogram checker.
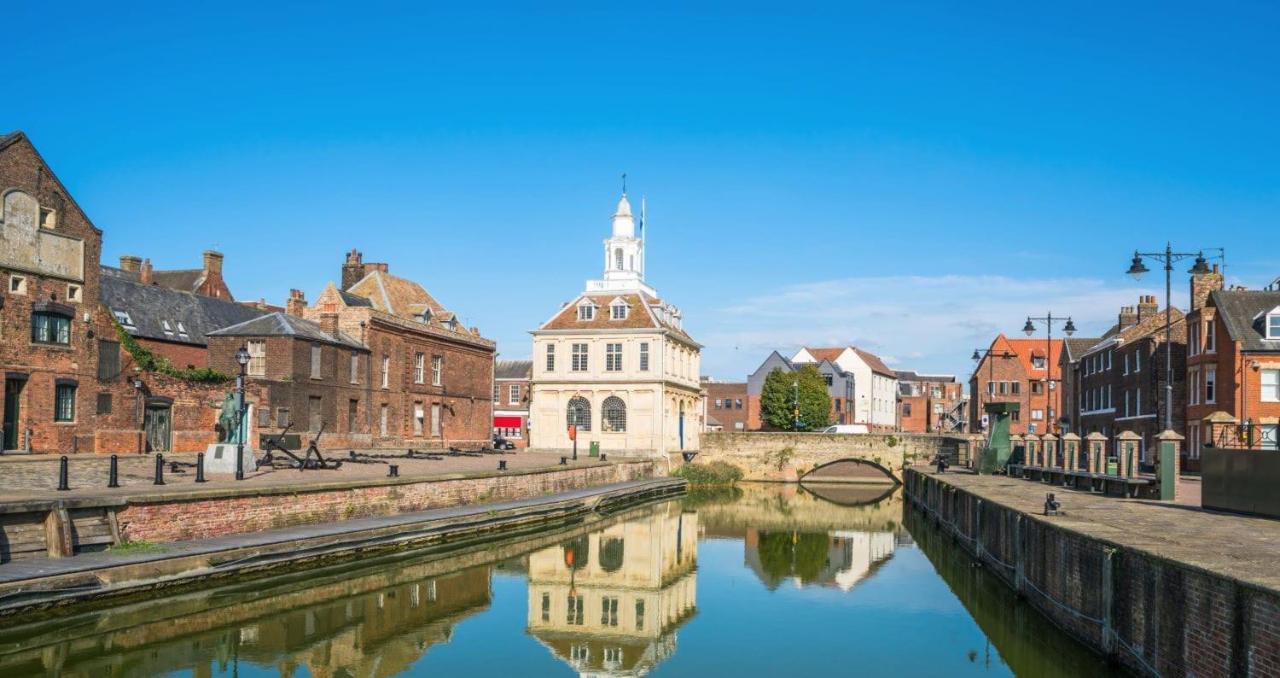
(511, 397)
(930, 404)
(727, 404)
(1017, 370)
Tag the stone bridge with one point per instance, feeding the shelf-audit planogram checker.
(830, 457)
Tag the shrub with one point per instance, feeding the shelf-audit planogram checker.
(715, 473)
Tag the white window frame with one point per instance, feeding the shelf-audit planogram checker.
(1210, 384)
(1272, 321)
(580, 357)
(257, 357)
(1210, 338)
(644, 356)
(1193, 386)
(1274, 386)
(613, 357)
(386, 371)
(551, 358)
(513, 394)
(586, 311)
(619, 310)
(437, 370)
(419, 367)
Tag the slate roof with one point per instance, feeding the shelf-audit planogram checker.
(912, 375)
(1078, 346)
(1244, 312)
(149, 306)
(513, 369)
(285, 325)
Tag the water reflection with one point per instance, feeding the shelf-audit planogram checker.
(609, 603)
(744, 581)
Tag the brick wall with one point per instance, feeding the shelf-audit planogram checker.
(238, 512)
(1166, 618)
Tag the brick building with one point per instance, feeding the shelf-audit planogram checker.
(205, 281)
(1233, 372)
(726, 403)
(1073, 349)
(511, 395)
(1019, 371)
(432, 378)
(931, 403)
(841, 388)
(309, 375)
(1119, 383)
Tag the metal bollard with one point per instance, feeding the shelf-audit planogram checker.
(502, 464)
(410, 453)
(393, 471)
(604, 457)
(564, 461)
(113, 478)
(63, 484)
(351, 454)
(159, 469)
(200, 467)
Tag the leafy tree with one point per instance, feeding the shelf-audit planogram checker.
(778, 399)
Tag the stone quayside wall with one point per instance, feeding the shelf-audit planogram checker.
(1152, 615)
(220, 513)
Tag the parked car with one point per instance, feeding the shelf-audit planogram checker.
(847, 428)
(500, 443)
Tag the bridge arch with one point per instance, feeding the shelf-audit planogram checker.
(851, 469)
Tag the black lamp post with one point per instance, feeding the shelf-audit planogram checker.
(242, 357)
(1136, 270)
(1029, 329)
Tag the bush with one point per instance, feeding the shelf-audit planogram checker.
(715, 473)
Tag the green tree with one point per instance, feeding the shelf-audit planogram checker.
(778, 399)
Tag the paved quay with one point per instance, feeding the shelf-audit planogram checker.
(1243, 548)
(35, 477)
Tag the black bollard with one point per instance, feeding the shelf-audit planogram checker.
(502, 464)
(564, 461)
(159, 469)
(113, 478)
(63, 484)
(393, 471)
(200, 467)
(409, 453)
(351, 454)
(604, 457)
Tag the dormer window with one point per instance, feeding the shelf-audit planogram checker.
(1273, 323)
(586, 311)
(168, 329)
(618, 310)
(124, 319)
(424, 316)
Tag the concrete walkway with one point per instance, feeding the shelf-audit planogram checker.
(1244, 548)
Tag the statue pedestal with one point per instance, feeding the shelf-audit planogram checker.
(221, 458)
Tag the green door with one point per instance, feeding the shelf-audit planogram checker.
(157, 428)
(12, 420)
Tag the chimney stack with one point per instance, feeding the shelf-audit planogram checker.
(145, 273)
(296, 304)
(1147, 306)
(1128, 317)
(329, 323)
(1204, 284)
(130, 263)
(352, 269)
(213, 262)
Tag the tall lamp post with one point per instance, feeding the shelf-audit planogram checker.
(242, 357)
(1029, 329)
(1136, 270)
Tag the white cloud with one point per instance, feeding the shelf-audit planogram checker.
(927, 323)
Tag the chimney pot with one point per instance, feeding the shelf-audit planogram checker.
(145, 273)
(130, 263)
(296, 304)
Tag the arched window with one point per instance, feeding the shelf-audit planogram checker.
(613, 415)
(579, 413)
(611, 552)
(617, 258)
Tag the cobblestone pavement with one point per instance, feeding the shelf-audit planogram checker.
(1246, 548)
(36, 476)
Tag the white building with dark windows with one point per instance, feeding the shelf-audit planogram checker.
(615, 362)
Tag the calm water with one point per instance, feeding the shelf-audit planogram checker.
(764, 580)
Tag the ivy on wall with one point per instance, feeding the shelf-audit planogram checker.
(150, 362)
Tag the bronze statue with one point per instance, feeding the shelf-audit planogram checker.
(229, 419)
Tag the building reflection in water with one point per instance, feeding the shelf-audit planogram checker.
(377, 624)
(609, 603)
(838, 559)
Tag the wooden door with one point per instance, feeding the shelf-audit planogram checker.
(12, 420)
(156, 424)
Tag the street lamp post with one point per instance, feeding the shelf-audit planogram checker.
(795, 405)
(1136, 269)
(1069, 328)
(242, 357)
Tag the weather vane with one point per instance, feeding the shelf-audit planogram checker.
(624, 183)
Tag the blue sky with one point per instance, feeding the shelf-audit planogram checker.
(908, 177)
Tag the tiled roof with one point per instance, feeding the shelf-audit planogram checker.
(149, 306)
(1026, 348)
(400, 297)
(643, 313)
(513, 369)
(832, 354)
(285, 325)
(1078, 346)
(1244, 313)
(1150, 325)
(874, 362)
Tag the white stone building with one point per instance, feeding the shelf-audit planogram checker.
(616, 362)
(875, 386)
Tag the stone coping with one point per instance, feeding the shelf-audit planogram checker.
(224, 492)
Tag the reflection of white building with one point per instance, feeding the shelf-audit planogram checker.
(616, 363)
(861, 551)
(609, 603)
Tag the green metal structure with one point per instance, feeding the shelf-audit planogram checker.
(996, 454)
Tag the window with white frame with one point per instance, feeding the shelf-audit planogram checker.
(1273, 324)
(437, 370)
(586, 311)
(386, 371)
(496, 391)
(1193, 386)
(513, 394)
(1210, 344)
(1193, 340)
(618, 310)
(644, 356)
(1210, 384)
(613, 357)
(419, 368)
(578, 355)
(1137, 362)
(257, 358)
(613, 415)
(1270, 380)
